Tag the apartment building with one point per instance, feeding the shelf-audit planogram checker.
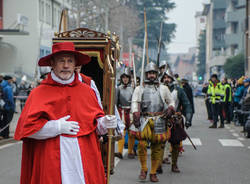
(20, 53)
(235, 31)
(215, 36)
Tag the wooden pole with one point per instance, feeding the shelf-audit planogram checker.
(146, 34)
(159, 47)
(144, 49)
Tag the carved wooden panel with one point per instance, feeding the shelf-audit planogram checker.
(83, 33)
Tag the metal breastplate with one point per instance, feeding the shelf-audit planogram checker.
(160, 126)
(125, 96)
(151, 99)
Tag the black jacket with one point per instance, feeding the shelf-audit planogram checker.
(189, 93)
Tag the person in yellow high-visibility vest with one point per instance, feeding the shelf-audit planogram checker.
(227, 100)
(216, 93)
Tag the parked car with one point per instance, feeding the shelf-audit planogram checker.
(198, 91)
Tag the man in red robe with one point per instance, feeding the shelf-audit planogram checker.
(59, 125)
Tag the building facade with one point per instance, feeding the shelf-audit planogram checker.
(20, 54)
(235, 31)
(225, 33)
(200, 25)
(247, 63)
(215, 36)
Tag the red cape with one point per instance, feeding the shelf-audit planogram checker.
(51, 101)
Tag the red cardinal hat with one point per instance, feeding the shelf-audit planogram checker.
(64, 47)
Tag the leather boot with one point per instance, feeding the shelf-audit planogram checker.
(118, 155)
(166, 161)
(213, 126)
(131, 156)
(175, 169)
(221, 126)
(159, 170)
(153, 178)
(143, 175)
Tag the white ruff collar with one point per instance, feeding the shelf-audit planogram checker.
(57, 79)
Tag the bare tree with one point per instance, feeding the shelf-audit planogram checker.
(103, 15)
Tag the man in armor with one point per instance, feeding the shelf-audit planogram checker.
(162, 68)
(183, 106)
(123, 99)
(152, 103)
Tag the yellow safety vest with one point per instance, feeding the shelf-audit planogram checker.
(230, 92)
(215, 94)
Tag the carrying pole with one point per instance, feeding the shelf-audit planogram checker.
(111, 112)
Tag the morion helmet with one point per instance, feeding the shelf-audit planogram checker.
(151, 67)
(163, 63)
(169, 74)
(126, 71)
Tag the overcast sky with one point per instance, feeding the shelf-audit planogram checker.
(183, 16)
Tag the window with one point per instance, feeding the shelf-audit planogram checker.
(47, 52)
(202, 20)
(234, 50)
(56, 14)
(219, 14)
(219, 35)
(234, 27)
(41, 53)
(41, 10)
(48, 12)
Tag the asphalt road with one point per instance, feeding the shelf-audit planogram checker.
(223, 157)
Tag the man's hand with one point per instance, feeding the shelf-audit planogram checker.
(187, 124)
(110, 121)
(169, 112)
(136, 119)
(67, 127)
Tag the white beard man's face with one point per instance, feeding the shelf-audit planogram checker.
(63, 66)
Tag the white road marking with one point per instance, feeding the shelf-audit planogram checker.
(9, 145)
(232, 130)
(231, 142)
(241, 138)
(196, 141)
(236, 135)
(117, 160)
(248, 147)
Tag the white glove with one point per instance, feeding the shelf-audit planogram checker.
(67, 127)
(110, 121)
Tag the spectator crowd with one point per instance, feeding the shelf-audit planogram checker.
(10, 91)
(228, 100)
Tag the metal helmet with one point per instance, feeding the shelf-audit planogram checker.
(163, 63)
(151, 67)
(126, 71)
(169, 74)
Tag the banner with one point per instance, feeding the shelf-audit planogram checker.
(125, 59)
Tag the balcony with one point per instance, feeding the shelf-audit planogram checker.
(218, 44)
(233, 39)
(233, 16)
(219, 24)
(219, 4)
(241, 4)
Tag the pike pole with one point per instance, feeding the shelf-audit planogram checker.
(111, 112)
(144, 49)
